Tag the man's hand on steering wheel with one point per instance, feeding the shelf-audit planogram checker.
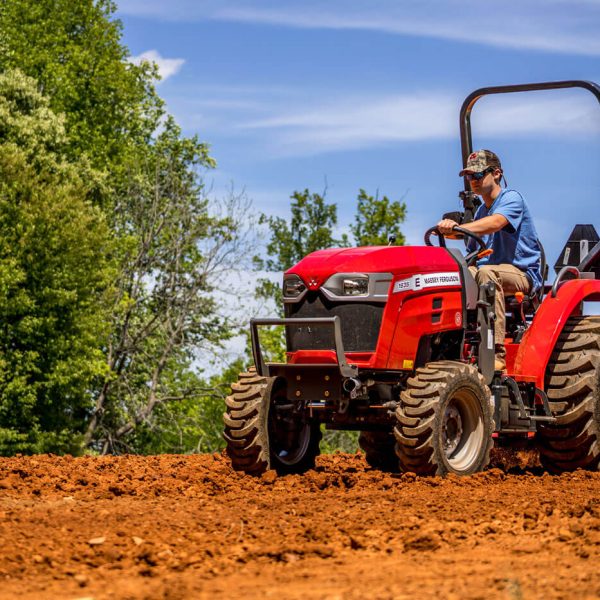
(449, 228)
(446, 226)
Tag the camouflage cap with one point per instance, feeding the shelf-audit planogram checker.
(479, 161)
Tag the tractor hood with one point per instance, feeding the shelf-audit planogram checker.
(316, 268)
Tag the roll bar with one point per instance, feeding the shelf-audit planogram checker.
(466, 142)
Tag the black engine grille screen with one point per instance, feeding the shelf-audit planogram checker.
(360, 324)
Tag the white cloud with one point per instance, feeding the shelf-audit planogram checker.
(359, 122)
(568, 26)
(220, 108)
(363, 122)
(287, 122)
(571, 115)
(167, 67)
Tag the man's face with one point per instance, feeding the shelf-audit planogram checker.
(486, 184)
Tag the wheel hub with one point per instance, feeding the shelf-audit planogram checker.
(452, 431)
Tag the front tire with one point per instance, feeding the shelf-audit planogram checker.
(444, 421)
(264, 430)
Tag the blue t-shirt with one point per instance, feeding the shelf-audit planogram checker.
(517, 243)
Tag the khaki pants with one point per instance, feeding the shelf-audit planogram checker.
(507, 280)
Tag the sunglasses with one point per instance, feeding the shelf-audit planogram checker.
(478, 176)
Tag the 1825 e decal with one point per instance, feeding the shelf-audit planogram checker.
(426, 280)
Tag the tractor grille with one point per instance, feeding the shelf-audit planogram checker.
(360, 324)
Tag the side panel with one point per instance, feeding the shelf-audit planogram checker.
(540, 339)
(423, 315)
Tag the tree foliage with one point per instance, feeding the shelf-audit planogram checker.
(310, 228)
(73, 49)
(194, 424)
(377, 220)
(313, 222)
(53, 278)
(163, 310)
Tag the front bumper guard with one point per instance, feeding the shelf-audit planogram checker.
(346, 370)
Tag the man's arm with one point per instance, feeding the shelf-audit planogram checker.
(482, 226)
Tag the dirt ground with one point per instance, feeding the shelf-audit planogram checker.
(189, 527)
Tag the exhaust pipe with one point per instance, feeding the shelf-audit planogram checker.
(352, 385)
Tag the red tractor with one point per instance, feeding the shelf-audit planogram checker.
(397, 342)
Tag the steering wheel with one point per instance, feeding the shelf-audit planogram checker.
(470, 258)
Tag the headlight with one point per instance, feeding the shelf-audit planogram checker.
(347, 285)
(355, 286)
(293, 286)
(358, 287)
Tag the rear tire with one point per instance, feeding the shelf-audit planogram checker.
(444, 421)
(264, 430)
(573, 388)
(379, 449)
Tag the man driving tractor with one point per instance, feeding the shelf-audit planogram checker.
(399, 343)
(505, 223)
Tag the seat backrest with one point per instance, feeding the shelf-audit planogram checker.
(534, 298)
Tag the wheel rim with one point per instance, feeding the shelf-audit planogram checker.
(463, 431)
(452, 429)
(289, 435)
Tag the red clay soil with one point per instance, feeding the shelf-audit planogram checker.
(189, 527)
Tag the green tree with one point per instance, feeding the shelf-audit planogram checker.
(193, 425)
(310, 228)
(73, 49)
(173, 250)
(54, 274)
(376, 220)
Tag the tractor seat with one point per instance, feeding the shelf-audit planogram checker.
(531, 301)
(529, 304)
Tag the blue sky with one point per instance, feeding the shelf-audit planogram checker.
(347, 94)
